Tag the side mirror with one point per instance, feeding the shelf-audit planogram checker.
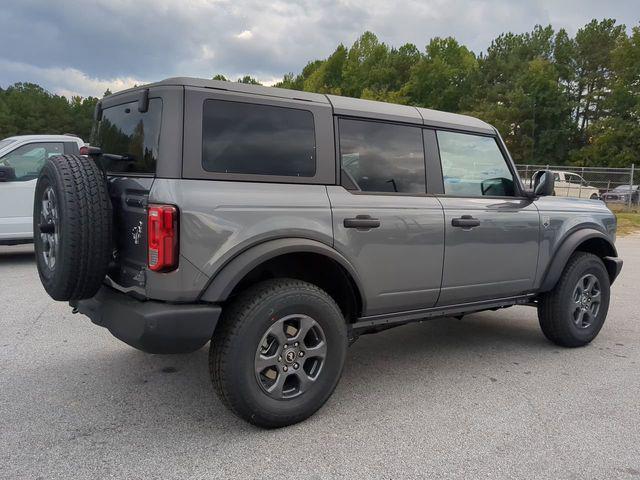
(544, 184)
(7, 174)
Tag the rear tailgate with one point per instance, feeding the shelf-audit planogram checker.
(129, 197)
(129, 141)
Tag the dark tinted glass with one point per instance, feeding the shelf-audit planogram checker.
(381, 157)
(257, 139)
(124, 132)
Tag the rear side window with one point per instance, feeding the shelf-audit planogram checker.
(129, 139)
(247, 138)
(382, 157)
(473, 166)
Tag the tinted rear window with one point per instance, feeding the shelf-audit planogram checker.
(382, 157)
(255, 139)
(134, 136)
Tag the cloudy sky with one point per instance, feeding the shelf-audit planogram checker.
(86, 46)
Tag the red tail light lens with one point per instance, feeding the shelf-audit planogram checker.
(162, 222)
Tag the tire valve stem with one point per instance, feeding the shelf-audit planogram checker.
(74, 310)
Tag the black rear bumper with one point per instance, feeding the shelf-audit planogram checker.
(150, 326)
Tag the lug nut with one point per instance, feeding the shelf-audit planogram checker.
(301, 354)
(295, 366)
(279, 359)
(285, 368)
(285, 346)
(296, 344)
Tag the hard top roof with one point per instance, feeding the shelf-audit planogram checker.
(341, 105)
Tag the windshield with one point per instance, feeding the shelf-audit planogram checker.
(626, 187)
(5, 142)
(129, 139)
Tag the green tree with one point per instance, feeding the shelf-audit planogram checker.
(441, 78)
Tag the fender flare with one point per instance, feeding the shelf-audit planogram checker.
(225, 280)
(570, 245)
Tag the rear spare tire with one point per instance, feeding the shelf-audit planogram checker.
(72, 223)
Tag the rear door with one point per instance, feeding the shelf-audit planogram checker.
(129, 140)
(491, 232)
(384, 222)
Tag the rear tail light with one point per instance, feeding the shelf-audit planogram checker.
(162, 222)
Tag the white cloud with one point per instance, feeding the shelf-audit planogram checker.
(245, 35)
(67, 81)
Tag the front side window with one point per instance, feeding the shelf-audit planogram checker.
(382, 157)
(129, 139)
(26, 161)
(473, 166)
(246, 138)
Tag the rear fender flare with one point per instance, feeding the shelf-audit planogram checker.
(228, 277)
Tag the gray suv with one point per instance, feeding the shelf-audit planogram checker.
(281, 225)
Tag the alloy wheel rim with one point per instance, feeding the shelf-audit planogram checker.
(587, 298)
(49, 227)
(290, 356)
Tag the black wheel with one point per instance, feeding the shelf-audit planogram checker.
(573, 313)
(278, 353)
(72, 227)
(593, 196)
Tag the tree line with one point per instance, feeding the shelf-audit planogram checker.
(555, 98)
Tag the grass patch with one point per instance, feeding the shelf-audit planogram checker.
(628, 222)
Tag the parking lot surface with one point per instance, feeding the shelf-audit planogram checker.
(483, 397)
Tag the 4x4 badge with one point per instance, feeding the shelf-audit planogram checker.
(546, 221)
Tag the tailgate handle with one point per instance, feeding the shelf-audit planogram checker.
(134, 202)
(361, 222)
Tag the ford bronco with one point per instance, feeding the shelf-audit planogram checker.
(281, 225)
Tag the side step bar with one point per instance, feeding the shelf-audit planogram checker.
(433, 312)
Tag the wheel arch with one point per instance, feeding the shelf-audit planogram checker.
(288, 257)
(585, 240)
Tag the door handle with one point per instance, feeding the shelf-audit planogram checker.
(361, 222)
(466, 221)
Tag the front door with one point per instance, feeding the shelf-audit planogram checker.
(16, 193)
(384, 222)
(491, 233)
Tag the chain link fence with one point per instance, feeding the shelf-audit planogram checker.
(617, 187)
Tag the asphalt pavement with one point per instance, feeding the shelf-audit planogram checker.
(483, 397)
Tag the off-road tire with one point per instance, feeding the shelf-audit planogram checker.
(238, 335)
(83, 226)
(555, 307)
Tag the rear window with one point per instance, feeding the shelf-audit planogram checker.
(246, 138)
(129, 139)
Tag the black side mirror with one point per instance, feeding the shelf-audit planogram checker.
(7, 174)
(544, 184)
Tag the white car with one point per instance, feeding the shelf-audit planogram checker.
(21, 159)
(569, 184)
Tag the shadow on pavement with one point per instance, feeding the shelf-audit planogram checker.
(176, 389)
(16, 254)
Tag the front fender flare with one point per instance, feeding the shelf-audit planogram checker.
(569, 245)
(226, 279)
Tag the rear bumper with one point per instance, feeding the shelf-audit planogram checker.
(150, 326)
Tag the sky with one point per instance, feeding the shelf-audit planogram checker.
(76, 47)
